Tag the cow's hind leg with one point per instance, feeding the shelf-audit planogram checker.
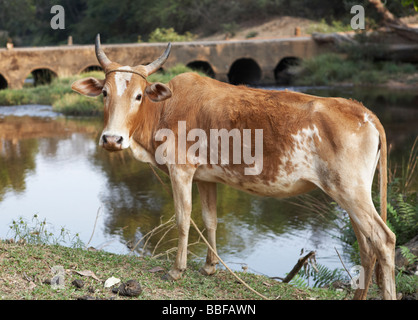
(207, 191)
(374, 237)
(368, 260)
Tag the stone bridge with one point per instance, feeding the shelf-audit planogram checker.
(246, 61)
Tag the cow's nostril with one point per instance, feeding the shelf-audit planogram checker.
(112, 141)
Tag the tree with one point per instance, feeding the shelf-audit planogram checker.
(409, 2)
(391, 21)
(388, 17)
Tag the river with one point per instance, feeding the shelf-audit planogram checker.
(51, 166)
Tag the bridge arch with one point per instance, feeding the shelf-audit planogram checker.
(282, 74)
(42, 75)
(3, 82)
(202, 66)
(244, 71)
(89, 68)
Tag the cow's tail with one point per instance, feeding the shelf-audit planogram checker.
(383, 180)
(383, 174)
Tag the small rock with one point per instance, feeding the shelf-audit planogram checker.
(78, 283)
(130, 288)
(111, 282)
(156, 269)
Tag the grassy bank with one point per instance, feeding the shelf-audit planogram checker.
(337, 69)
(28, 258)
(25, 273)
(59, 94)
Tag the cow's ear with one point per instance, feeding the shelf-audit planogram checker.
(91, 87)
(158, 92)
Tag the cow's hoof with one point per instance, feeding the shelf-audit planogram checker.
(208, 270)
(172, 275)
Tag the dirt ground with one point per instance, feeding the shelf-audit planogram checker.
(280, 27)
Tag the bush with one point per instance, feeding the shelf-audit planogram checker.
(169, 35)
(38, 232)
(323, 27)
(402, 217)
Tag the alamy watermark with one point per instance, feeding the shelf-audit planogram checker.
(357, 21)
(357, 281)
(197, 153)
(58, 20)
(58, 280)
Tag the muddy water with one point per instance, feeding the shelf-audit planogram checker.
(51, 166)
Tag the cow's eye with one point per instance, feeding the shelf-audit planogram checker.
(139, 97)
(104, 93)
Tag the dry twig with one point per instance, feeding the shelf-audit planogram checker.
(301, 262)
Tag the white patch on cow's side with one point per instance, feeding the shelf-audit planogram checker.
(368, 119)
(299, 163)
(121, 78)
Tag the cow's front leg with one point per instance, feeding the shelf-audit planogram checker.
(181, 182)
(207, 191)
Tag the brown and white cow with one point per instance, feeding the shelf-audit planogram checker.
(308, 142)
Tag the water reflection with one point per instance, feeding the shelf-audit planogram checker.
(52, 166)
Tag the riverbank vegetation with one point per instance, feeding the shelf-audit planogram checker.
(356, 62)
(63, 100)
(331, 69)
(337, 69)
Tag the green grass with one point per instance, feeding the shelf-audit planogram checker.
(59, 94)
(27, 258)
(25, 269)
(324, 27)
(56, 94)
(334, 69)
(78, 105)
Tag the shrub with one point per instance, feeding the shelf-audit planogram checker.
(323, 27)
(251, 34)
(38, 232)
(169, 35)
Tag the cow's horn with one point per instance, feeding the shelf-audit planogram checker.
(154, 66)
(101, 56)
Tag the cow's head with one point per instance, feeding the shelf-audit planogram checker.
(125, 89)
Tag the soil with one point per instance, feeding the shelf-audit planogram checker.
(280, 27)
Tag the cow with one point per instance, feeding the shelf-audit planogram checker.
(308, 142)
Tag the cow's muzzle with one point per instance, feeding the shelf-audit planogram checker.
(112, 143)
